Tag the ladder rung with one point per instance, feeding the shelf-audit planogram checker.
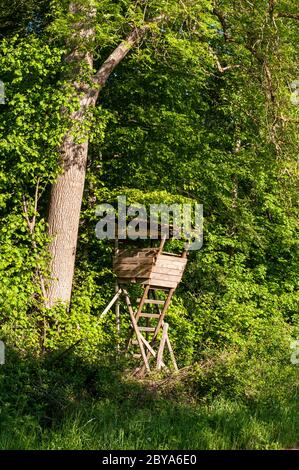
(153, 301)
(160, 288)
(137, 356)
(134, 342)
(171, 254)
(150, 315)
(146, 328)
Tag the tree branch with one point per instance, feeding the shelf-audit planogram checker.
(292, 16)
(220, 68)
(222, 20)
(31, 226)
(31, 223)
(104, 72)
(272, 4)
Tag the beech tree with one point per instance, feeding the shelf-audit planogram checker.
(82, 21)
(189, 97)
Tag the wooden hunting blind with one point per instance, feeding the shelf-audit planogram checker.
(158, 273)
(149, 266)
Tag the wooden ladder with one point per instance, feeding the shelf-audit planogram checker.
(147, 327)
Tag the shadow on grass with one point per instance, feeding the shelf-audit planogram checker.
(71, 404)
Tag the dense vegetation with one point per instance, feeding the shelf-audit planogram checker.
(200, 109)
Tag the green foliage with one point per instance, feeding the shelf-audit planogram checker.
(243, 398)
(199, 111)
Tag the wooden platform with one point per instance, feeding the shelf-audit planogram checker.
(149, 266)
(155, 270)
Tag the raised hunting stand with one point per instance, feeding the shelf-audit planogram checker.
(154, 270)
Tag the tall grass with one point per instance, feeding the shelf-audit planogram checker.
(160, 425)
(101, 409)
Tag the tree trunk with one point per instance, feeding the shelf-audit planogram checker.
(64, 216)
(67, 191)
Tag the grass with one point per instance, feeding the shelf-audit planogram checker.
(158, 425)
(99, 408)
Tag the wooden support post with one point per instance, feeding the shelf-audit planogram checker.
(162, 245)
(138, 335)
(162, 346)
(137, 315)
(117, 318)
(171, 353)
(117, 305)
(160, 323)
(172, 356)
(146, 343)
(163, 312)
(144, 296)
(111, 303)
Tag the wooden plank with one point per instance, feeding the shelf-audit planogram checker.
(126, 268)
(145, 273)
(146, 328)
(167, 277)
(140, 306)
(171, 271)
(171, 254)
(149, 315)
(117, 317)
(154, 288)
(134, 261)
(144, 296)
(166, 265)
(118, 293)
(137, 250)
(171, 353)
(151, 351)
(162, 243)
(133, 254)
(171, 259)
(153, 301)
(163, 312)
(133, 274)
(134, 277)
(169, 265)
(136, 253)
(138, 272)
(163, 284)
(147, 252)
(160, 322)
(132, 266)
(162, 346)
(138, 335)
(148, 346)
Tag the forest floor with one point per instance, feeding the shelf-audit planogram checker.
(102, 408)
